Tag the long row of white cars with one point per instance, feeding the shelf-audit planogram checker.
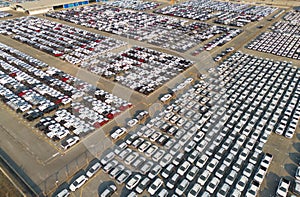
(227, 13)
(4, 14)
(163, 31)
(133, 4)
(209, 140)
(70, 44)
(282, 39)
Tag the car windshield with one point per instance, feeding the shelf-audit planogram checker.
(154, 187)
(283, 189)
(222, 192)
(193, 192)
(181, 187)
(212, 185)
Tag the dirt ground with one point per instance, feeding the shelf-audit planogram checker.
(7, 188)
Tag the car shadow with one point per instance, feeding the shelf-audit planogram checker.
(104, 185)
(297, 146)
(78, 174)
(295, 157)
(272, 180)
(64, 185)
(290, 168)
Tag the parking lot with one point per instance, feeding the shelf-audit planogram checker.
(282, 39)
(134, 4)
(4, 14)
(188, 139)
(33, 89)
(70, 44)
(246, 106)
(167, 32)
(226, 13)
(134, 68)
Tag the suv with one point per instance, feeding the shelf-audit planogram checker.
(78, 183)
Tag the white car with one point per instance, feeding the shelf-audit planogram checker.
(69, 142)
(203, 177)
(248, 170)
(212, 165)
(212, 185)
(202, 161)
(151, 150)
(182, 187)
(63, 193)
(173, 181)
(132, 122)
(144, 146)
(166, 98)
(195, 190)
(252, 190)
(260, 174)
(158, 155)
(297, 187)
(118, 133)
(192, 173)
(165, 160)
(133, 181)
(183, 168)
(108, 157)
(289, 133)
(241, 184)
(78, 183)
(155, 186)
(223, 191)
(266, 161)
(154, 171)
(283, 188)
(231, 177)
(93, 169)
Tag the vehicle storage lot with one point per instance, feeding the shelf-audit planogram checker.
(4, 14)
(196, 137)
(141, 69)
(71, 44)
(167, 32)
(227, 13)
(282, 40)
(94, 185)
(134, 4)
(32, 88)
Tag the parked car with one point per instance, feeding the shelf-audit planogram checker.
(109, 191)
(78, 183)
(283, 187)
